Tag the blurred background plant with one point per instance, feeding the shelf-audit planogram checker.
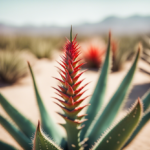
(123, 48)
(12, 66)
(93, 57)
(146, 48)
(40, 46)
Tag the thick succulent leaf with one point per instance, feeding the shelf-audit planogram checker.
(42, 142)
(5, 146)
(21, 139)
(25, 125)
(145, 119)
(109, 113)
(119, 134)
(146, 100)
(99, 92)
(48, 125)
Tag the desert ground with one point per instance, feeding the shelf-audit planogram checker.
(21, 95)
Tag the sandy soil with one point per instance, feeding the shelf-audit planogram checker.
(21, 95)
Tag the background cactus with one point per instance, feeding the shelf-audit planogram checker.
(77, 135)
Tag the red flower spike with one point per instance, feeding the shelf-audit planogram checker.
(77, 67)
(64, 63)
(62, 89)
(77, 77)
(78, 102)
(70, 68)
(69, 79)
(76, 85)
(74, 73)
(81, 116)
(70, 91)
(58, 94)
(75, 122)
(61, 70)
(71, 101)
(63, 58)
(66, 104)
(66, 85)
(61, 64)
(75, 98)
(62, 82)
(78, 90)
(66, 97)
(63, 77)
(75, 63)
(71, 113)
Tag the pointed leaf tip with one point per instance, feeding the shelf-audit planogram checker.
(29, 65)
(48, 123)
(109, 34)
(38, 126)
(71, 34)
(120, 133)
(139, 47)
(41, 141)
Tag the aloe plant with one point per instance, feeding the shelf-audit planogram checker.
(47, 134)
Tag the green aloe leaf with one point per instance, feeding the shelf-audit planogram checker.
(119, 134)
(5, 146)
(115, 104)
(146, 100)
(25, 125)
(42, 142)
(99, 93)
(21, 139)
(145, 119)
(49, 126)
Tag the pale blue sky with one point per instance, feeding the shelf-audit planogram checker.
(67, 12)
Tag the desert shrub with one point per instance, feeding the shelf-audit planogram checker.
(12, 66)
(41, 49)
(40, 46)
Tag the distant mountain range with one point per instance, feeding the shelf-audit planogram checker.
(131, 25)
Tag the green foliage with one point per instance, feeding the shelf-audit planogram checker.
(22, 140)
(100, 119)
(12, 66)
(42, 142)
(109, 113)
(118, 135)
(22, 122)
(5, 146)
(49, 126)
(97, 98)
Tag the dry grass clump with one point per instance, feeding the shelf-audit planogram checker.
(12, 67)
(41, 49)
(40, 46)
